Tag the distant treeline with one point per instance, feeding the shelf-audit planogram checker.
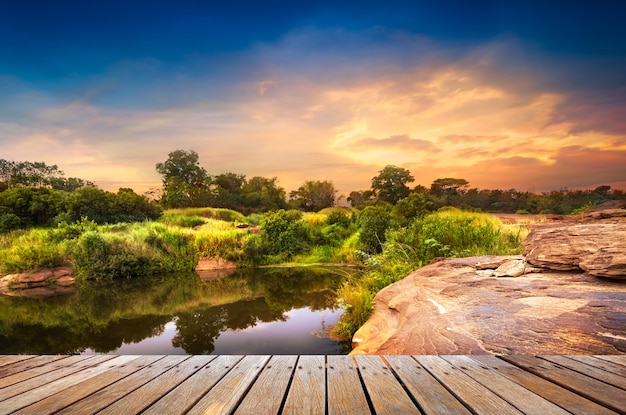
(35, 194)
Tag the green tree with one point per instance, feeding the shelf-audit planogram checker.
(34, 206)
(185, 182)
(261, 194)
(391, 184)
(360, 197)
(313, 195)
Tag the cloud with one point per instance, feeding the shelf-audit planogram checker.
(329, 104)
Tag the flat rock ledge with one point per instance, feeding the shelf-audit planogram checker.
(44, 282)
(565, 295)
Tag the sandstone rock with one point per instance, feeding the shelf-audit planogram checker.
(38, 276)
(608, 262)
(494, 262)
(511, 268)
(445, 308)
(65, 281)
(206, 264)
(566, 248)
(486, 273)
(19, 284)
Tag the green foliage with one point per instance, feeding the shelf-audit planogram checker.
(144, 251)
(581, 209)
(313, 195)
(284, 234)
(373, 223)
(34, 206)
(390, 185)
(357, 301)
(31, 251)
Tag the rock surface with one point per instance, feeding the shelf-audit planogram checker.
(598, 248)
(447, 308)
(44, 282)
(556, 304)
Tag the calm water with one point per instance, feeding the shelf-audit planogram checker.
(277, 311)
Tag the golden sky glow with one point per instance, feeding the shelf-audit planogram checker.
(489, 114)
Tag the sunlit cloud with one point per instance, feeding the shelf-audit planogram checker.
(298, 110)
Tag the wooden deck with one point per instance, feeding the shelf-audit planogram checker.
(259, 385)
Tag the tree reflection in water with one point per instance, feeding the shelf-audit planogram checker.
(102, 317)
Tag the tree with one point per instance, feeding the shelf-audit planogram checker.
(360, 197)
(261, 194)
(185, 183)
(37, 174)
(390, 184)
(448, 186)
(313, 195)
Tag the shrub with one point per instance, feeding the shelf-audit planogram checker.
(284, 235)
(373, 223)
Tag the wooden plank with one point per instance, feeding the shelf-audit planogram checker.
(565, 398)
(523, 399)
(267, 393)
(185, 395)
(591, 388)
(345, 393)
(23, 371)
(307, 394)
(19, 369)
(601, 363)
(228, 392)
(595, 372)
(385, 391)
(153, 390)
(62, 379)
(69, 365)
(617, 359)
(473, 394)
(104, 397)
(120, 368)
(10, 359)
(431, 396)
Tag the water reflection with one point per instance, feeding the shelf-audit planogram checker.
(277, 311)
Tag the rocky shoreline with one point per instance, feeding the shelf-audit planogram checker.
(565, 295)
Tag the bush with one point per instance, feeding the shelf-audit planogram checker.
(284, 235)
(373, 223)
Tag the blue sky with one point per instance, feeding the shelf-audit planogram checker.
(526, 95)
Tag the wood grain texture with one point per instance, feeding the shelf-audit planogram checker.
(345, 393)
(593, 389)
(267, 393)
(386, 393)
(230, 390)
(565, 398)
(307, 394)
(432, 397)
(465, 388)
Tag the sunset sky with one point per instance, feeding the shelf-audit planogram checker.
(528, 95)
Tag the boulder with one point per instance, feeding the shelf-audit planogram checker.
(511, 268)
(598, 248)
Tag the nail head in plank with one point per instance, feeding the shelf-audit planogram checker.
(307, 393)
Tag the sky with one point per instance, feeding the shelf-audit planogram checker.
(527, 94)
